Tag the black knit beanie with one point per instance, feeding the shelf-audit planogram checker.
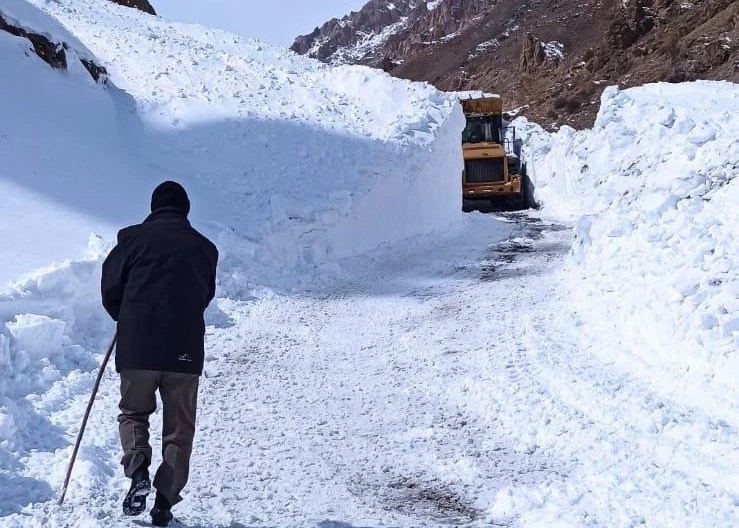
(170, 194)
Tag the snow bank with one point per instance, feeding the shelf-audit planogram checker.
(654, 194)
(63, 157)
(282, 152)
(51, 334)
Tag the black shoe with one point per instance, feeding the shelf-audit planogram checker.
(160, 517)
(161, 513)
(135, 501)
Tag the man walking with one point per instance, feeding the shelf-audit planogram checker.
(157, 283)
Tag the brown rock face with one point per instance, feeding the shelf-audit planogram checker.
(550, 58)
(535, 55)
(142, 5)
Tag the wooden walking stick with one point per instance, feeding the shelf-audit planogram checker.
(87, 415)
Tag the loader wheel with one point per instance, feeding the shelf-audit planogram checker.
(527, 190)
(523, 201)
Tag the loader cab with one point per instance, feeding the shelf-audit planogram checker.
(482, 128)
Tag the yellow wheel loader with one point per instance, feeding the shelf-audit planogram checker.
(491, 161)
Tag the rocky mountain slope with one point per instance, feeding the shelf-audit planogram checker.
(549, 58)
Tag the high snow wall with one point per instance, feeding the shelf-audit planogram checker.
(303, 162)
(295, 163)
(290, 165)
(654, 194)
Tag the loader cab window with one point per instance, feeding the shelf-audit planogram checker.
(483, 129)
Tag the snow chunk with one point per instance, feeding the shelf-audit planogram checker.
(37, 335)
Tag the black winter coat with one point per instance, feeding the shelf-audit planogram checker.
(157, 283)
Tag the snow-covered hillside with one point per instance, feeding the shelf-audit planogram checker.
(654, 190)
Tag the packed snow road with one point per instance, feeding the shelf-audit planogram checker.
(445, 384)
